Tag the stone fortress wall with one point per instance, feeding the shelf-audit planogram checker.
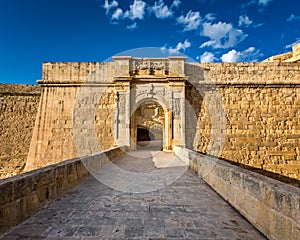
(261, 102)
(18, 108)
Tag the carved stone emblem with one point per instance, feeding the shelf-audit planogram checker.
(150, 92)
(151, 65)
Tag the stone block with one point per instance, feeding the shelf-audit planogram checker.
(43, 177)
(6, 192)
(296, 232)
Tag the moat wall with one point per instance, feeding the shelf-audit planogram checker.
(18, 109)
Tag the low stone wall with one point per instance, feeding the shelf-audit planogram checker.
(24, 194)
(271, 206)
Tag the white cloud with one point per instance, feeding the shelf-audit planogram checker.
(161, 10)
(118, 14)
(180, 46)
(208, 44)
(264, 2)
(250, 54)
(176, 3)
(231, 56)
(137, 10)
(292, 18)
(190, 21)
(107, 6)
(210, 17)
(293, 43)
(258, 25)
(132, 26)
(207, 57)
(244, 5)
(245, 21)
(222, 35)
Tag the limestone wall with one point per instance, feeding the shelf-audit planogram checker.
(72, 92)
(262, 106)
(18, 109)
(260, 100)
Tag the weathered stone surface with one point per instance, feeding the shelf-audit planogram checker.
(24, 194)
(18, 109)
(261, 102)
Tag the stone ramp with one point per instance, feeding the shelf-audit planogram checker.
(186, 209)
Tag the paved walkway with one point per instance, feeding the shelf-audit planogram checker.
(186, 209)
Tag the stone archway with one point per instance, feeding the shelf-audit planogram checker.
(139, 81)
(148, 126)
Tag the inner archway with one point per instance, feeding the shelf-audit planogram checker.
(147, 126)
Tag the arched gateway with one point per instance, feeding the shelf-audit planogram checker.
(151, 94)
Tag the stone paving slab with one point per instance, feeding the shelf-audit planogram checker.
(186, 209)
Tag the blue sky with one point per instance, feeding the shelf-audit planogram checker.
(36, 31)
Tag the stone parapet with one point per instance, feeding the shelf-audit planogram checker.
(19, 90)
(243, 73)
(24, 194)
(73, 73)
(271, 206)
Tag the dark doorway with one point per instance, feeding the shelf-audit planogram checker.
(147, 126)
(144, 135)
(146, 140)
